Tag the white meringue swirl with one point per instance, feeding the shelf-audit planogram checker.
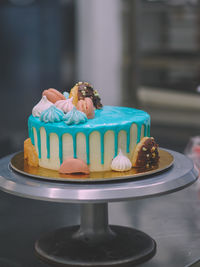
(121, 163)
(41, 106)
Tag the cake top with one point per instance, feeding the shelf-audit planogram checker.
(83, 112)
(111, 117)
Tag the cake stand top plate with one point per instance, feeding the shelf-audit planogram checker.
(180, 175)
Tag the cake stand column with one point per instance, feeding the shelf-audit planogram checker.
(94, 223)
(95, 243)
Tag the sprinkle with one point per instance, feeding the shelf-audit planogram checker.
(144, 148)
(79, 83)
(96, 93)
(153, 155)
(84, 87)
(147, 165)
(147, 155)
(153, 148)
(83, 92)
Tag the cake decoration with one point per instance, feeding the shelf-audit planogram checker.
(87, 107)
(41, 106)
(66, 95)
(74, 93)
(30, 153)
(74, 117)
(146, 153)
(121, 163)
(65, 105)
(52, 114)
(81, 90)
(53, 95)
(72, 165)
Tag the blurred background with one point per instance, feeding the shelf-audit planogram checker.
(142, 53)
(138, 53)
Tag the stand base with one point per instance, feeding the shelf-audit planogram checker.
(122, 247)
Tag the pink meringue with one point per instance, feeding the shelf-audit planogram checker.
(65, 105)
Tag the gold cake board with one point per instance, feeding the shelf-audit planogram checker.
(20, 165)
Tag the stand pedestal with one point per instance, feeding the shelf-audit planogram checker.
(95, 243)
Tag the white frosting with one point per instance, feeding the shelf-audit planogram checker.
(121, 163)
(65, 105)
(41, 106)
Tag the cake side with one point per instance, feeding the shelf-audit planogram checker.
(96, 142)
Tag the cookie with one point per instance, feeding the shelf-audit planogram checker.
(53, 95)
(83, 90)
(30, 153)
(146, 153)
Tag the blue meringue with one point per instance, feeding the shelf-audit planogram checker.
(74, 117)
(52, 114)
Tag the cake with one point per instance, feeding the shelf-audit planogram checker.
(76, 127)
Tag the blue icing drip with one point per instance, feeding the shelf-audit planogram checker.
(128, 141)
(48, 145)
(87, 148)
(30, 132)
(116, 142)
(60, 149)
(74, 116)
(74, 145)
(148, 131)
(139, 133)
(39, 144)
(102, 147)
(52, 114)
(32, 137)
(108, 118)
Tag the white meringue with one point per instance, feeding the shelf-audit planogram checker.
(41, 106)
(121, 163)
(65, 105)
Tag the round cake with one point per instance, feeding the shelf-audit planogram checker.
(74, 133)
(96, 141)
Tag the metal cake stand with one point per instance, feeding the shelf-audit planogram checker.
(94, 242)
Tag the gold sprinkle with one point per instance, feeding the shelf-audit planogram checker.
(96, 93)
(153, 155)
(79, 83)
(144, 148)
(147, 165)
(153, 149)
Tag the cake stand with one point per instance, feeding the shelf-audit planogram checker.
(94, 242)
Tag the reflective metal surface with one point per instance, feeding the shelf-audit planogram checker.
(20, 165)
(180, 175)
